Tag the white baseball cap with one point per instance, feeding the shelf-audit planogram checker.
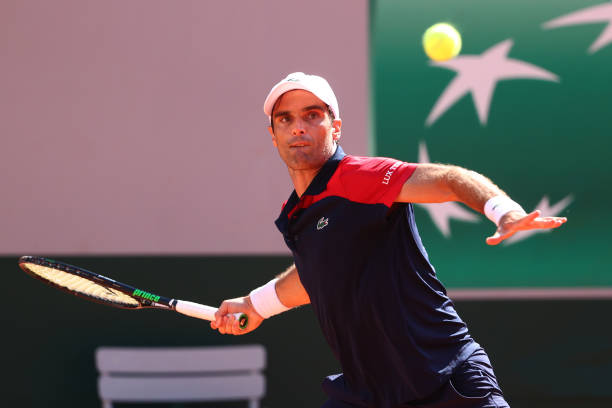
(314, 84)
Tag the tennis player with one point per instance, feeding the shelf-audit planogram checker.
(360, 263)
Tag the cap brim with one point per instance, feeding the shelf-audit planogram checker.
(278, 91)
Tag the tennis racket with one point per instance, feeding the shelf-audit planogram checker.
(100, 289)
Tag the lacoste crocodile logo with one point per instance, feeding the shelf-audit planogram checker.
(322, 223)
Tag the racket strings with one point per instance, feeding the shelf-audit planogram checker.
(81, 285)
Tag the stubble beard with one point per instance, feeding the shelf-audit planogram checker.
(314, 160)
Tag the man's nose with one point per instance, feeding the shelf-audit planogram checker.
(298, 128)
(298, 131)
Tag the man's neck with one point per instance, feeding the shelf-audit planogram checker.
(302, 179)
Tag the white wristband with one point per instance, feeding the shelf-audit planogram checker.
(498, 206)
(266, 301)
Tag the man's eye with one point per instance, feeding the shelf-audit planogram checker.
(313, 115)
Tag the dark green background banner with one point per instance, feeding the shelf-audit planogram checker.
(541, 138)
(546, 353)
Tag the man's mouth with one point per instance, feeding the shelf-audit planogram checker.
(299, 144)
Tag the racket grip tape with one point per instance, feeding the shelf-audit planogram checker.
(206, 312)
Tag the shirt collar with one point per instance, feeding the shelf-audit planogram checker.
(319, 182)
(317, 185)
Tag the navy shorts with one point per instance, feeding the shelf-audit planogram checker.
(472, 385)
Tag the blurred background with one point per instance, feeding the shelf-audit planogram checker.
(134, 144)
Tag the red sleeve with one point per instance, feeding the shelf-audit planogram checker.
(373, 180)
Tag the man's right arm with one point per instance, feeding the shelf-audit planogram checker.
(288, 290)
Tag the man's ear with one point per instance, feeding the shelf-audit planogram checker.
(273, 136)
(336, 132)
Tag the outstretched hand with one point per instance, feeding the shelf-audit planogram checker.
(226, 322)
(516, 221)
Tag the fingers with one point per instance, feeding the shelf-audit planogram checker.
(219, 314)
(508, 228)
(498, 237)
(530, 217)
(227, 324)
(548, 222)
(532, 221)
(494, 239)
(230, 325)
(225, 319)
(528, 222)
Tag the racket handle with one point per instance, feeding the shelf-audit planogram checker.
(206, 312)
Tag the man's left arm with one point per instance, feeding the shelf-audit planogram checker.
(437, 183)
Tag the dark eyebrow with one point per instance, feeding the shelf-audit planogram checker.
(317, 107)
(281, 113)
(307, 108)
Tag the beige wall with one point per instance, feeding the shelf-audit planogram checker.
(135, 126)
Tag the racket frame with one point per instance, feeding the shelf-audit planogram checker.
(144, 298)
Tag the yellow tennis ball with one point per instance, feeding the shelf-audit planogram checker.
(441, 42)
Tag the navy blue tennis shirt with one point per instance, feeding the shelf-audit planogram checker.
(382, 310)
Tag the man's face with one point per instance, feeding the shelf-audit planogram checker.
(303, 132)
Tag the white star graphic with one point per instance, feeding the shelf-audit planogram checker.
(596, 14)
(442, 213)
(547, 211)
(479, 74)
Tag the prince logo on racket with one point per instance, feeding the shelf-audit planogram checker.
(386, 296)
(146, 295)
